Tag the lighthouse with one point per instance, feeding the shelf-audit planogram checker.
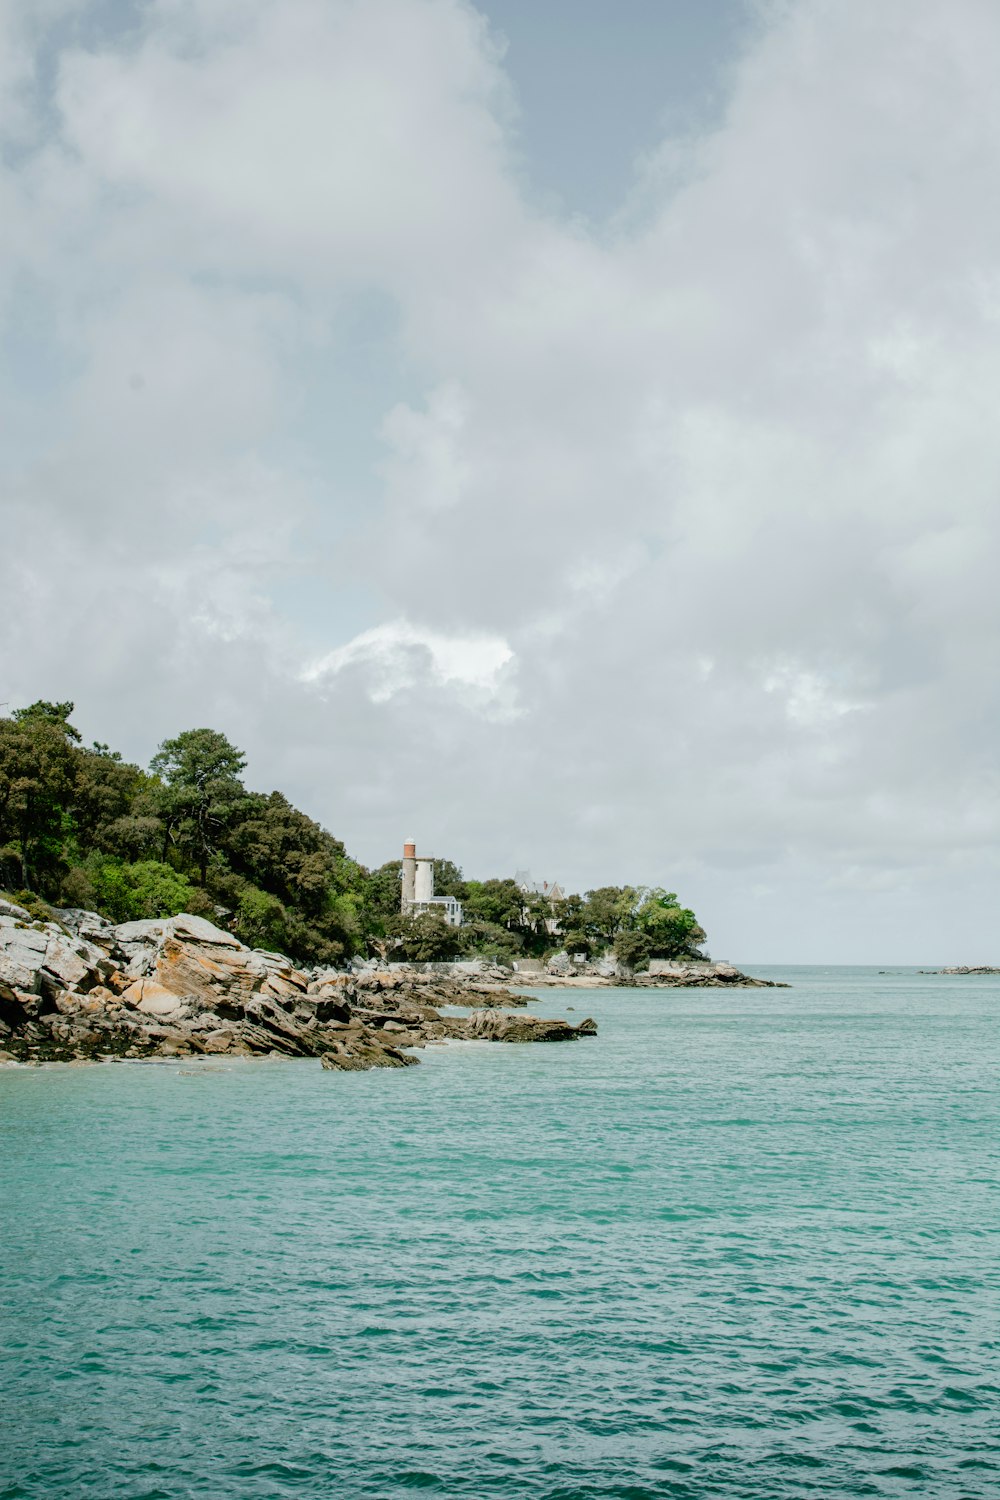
(409, 874)
(417, 887)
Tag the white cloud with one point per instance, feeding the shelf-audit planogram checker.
(400, 653)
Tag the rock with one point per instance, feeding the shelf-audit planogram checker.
(191, 929)
(17, 913)
(152, 998)
(328, 1011)
(357, 1055)
(85, 924)
(498, 1026)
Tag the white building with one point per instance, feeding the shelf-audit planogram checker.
(550, 889)
(418, 888)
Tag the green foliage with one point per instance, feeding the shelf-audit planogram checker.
(496, 901)
(526, 918)
(260, 920)
(381, 896)
(609, 909)
(284, 852)
(127, 892)
(37, 909)
(157, 890)
(634, 950)
(672, 929)
(576, 941)
(54, 714)
(487, 940)
(37, 778)
(616, 917)
(425, 938)
(114, 807)
(448, 879)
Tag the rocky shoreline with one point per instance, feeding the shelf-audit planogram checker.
(78, 988)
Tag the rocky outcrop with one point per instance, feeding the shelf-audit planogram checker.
(977, 969)
(451, 984)
(607, 973)
(78, 987)
(702, 975)
(354, 1053)
(498, 1026)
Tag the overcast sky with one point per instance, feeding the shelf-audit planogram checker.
(562, 431)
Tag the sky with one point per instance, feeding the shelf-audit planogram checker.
(562, 432)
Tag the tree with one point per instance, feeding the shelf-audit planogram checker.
(448, 879)
(112, 807)
(55, 714)
(487, 940)
(202, 791)
(608, 909)
(425, 937)
(633, 950)
(382, 896)
(537, 922)
(37, 779)
(283, 851)
(571, 924)
(673, 930)
(260, 920)
(496, 901)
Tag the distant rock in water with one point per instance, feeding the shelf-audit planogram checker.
(78, 988)
(978, 969)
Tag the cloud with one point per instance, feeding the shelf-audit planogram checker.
(398, 655)
(677, 532)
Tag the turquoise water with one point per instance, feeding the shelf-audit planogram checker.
(740, 1245)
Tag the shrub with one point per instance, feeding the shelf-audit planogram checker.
(127, 892)
(260, 920)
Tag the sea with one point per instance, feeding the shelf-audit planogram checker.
(741, 1244)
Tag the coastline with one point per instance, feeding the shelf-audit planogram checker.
(79, 988)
